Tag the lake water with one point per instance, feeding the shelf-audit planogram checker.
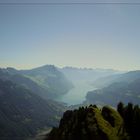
(77, 94)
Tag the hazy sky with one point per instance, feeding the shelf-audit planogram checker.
(97, 36)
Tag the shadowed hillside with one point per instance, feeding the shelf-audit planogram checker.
(125, 88)
(23, 114)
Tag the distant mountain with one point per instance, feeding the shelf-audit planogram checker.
(50, 79)
(90, 123)
(14, 76)
(46, 81)
(125, 87)
(23, 114)
(86, 74)
(105, 81)
(122, 77)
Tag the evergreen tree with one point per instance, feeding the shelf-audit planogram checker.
(120, 108)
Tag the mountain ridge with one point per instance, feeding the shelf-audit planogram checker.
(46, 80)
(124, 87)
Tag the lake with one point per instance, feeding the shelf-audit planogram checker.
(77, 94)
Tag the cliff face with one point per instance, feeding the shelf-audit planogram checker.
(90, 123)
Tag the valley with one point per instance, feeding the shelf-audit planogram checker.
(69, 70)
(77, 94)
(33, 101)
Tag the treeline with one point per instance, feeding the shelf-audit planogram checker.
(131, 116)
(94, 123)
(90, 123)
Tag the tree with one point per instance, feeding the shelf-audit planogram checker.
(120, 109)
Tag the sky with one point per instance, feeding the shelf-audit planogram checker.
(93, 36)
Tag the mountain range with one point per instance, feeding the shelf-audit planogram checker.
(46, 81)
(87, 74)
(122, 87)
(28, 100)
